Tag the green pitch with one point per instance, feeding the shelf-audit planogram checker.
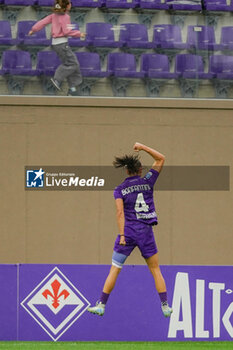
(116, 345)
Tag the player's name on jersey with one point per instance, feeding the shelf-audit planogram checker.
(93, 181)
(135, 188)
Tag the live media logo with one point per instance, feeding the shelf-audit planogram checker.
(59, 178)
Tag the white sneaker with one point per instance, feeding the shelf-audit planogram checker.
(98, 309)
(167, 310)
(56, 83)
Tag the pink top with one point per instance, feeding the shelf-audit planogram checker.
(61, 26)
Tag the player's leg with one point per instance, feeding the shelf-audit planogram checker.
(119, 256)
(153, 264)
(118, 260)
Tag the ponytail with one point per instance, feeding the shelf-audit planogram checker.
(131, 163)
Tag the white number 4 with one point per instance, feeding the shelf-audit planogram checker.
(140, 204)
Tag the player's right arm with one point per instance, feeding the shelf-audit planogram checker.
(158, 157)
(120, 219)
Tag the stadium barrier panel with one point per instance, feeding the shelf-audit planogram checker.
(41, 302)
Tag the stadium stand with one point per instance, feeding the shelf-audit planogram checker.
(100, 38)
(16, 69)
(156, 69)
(91, 71)
(190, 71)
(121, 67)
(151, 48)
(221, 67)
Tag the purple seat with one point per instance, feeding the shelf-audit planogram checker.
(86, 3)
(77, 42)
(5, 34)
(90, 64)
(134, 35)
(123, 65)
(217, 5)
(19, 2)
(37, 39)
(226, 40)
(46, 3)
(168, 36)
(47, 62)
(156, 66)
(187, 5)
(221, 67)
(122, 4)
(189, 66)
(100, 34)
(202, 38)
(16, 62)
(153, 4)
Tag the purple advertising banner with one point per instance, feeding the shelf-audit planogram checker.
(49, 302)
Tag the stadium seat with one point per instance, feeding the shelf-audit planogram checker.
(226, 40)
(43, 8)
(34, 42)
(148, 8)
(167, 39)
(17, 67)
(112, 9)
(153, 4)
(100, 34)
(221, 67)
(90, 64)
(121, 68)
(119, 4)
(37, 39)
(47, 63)
(190, 70)
(80, 8)
(188, 5)
(133, 35)
(91, 71)
(156, 69)
(47, 3)
(217, 5)
(134, 38)
(5, 35)
(11, 8)
(86, 3)
(100, 38)
(180, 9)
(77, 42)
(201, 38)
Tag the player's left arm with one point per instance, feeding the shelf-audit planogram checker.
(120, 219)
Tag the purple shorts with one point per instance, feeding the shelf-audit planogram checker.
(140, 236)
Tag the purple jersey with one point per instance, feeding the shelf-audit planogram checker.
(137, 195)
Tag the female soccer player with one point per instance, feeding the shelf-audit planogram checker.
(135, 217)
(61, 30)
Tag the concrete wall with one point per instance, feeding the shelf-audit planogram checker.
(195, 227)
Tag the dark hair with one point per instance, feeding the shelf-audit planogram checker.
(60, 6)
(131, 163)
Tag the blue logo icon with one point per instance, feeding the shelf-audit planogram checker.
(35, 178)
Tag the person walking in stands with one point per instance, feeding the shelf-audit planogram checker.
(136, 216)
(62, 29)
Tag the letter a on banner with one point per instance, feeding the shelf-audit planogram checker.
(181, 302)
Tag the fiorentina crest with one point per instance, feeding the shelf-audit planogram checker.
(55, 304)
